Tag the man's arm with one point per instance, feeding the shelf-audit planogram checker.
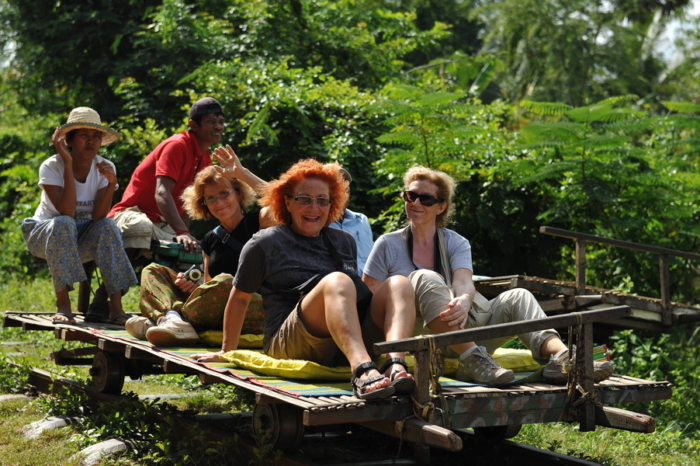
(166, 204)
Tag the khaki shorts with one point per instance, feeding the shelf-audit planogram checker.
(138, 230)
(293, 341)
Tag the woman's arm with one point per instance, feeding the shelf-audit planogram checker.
(234, 315)
(266, 218)
(371, 282)
(63, 197)
(457, 312)
(103, 197)
(205, 265)
(233, 168)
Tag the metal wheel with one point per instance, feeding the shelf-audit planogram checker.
(495, 434)
(278, 426)
(107, 372)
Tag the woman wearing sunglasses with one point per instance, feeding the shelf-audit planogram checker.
(173, 306)
(305, 273)
(438, 263)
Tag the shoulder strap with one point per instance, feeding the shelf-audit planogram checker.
(444, 257)
(407, 236)
(226, 238)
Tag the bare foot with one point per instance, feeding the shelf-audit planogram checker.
(63, 309)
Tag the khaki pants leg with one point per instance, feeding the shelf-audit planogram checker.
(514, 306)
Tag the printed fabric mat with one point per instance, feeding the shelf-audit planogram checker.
(335, 384)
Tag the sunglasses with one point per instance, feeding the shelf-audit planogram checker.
(211, 200)
(307, 200)
(425, 199)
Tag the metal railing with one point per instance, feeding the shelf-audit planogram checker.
(663, 253)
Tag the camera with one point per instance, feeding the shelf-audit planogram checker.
(194, 273)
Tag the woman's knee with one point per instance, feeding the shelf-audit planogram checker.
(64, 224)
(106, 226)
(400, 286)
(337, 281)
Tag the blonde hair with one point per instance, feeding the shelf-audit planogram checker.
(193, 196)
(444, 183)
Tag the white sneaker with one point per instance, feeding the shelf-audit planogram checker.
(558, 363)
(479, 367)
(137, 326)
(172, 333)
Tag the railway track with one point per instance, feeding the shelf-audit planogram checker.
(348, 445)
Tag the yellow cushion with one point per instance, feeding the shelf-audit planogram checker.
(515, 359)
(215, 337)
(286, 368)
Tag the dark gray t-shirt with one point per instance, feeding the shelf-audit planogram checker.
(277, 261)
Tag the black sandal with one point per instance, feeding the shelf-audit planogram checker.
(359, 385)
(403, 385)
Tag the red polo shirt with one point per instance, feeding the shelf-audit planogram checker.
(178, 157)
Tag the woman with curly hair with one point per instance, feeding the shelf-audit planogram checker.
(305, 273)
(173, 306)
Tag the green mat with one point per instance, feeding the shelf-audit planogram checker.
(332, 382)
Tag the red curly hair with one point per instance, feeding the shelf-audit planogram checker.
(284, 186)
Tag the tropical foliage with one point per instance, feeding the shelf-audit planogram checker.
(564, 113)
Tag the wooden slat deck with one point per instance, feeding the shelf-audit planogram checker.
(557, 296)
(471, 406)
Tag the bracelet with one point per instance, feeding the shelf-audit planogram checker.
(180, 232)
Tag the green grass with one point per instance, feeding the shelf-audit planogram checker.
(614, 447)
(52, 448)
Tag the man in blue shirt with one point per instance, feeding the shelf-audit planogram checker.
(358, 225)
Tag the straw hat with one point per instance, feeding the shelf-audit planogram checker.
(85, 117)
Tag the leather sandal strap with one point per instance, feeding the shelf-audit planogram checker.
(391, 361)
(364, 367)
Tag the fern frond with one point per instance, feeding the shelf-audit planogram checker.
(543, 145)
(682, 107)
(620, 99)
(605, 141)
(404, 92)
(560, 130)
(545, 108)
(439, 98)
(603, 112)
(399, 138)
(547, 171)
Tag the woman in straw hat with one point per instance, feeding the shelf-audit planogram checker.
(69, 227)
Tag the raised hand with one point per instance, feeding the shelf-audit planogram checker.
(228, 159)
(59, 142)
(107, 170)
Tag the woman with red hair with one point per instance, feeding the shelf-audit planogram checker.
(305, 273)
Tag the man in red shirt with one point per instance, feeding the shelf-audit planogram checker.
(151, 207)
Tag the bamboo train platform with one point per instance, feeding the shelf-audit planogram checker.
(559, 297)
(435, 415)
